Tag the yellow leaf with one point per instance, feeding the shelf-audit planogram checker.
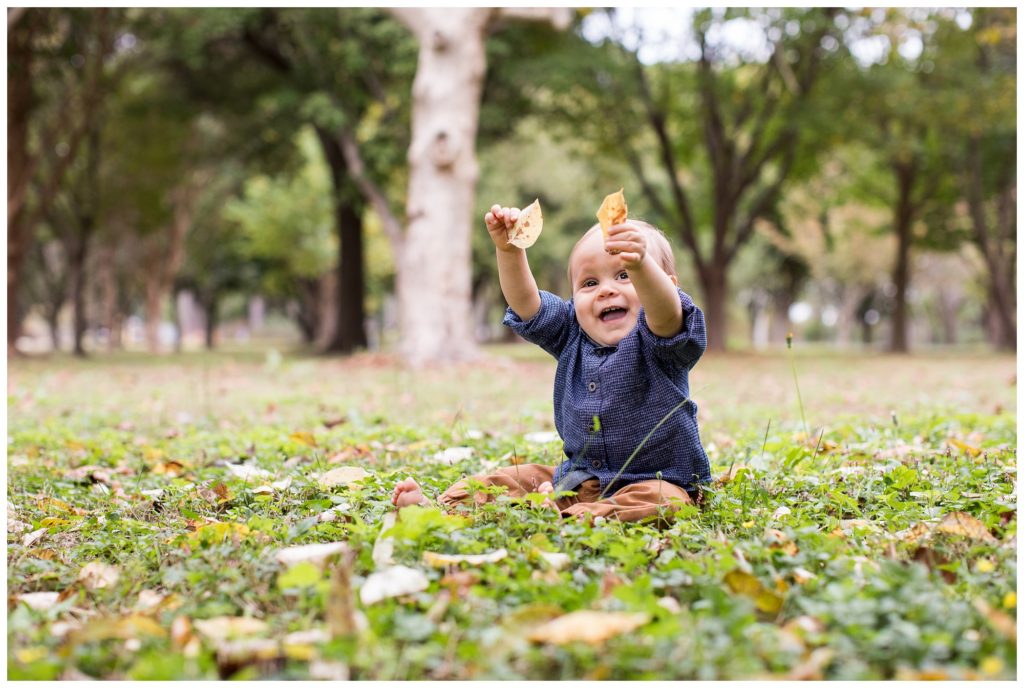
(748, 524)
(991, 666)
(748, 585)
(733, 471)
(963, 446)
(217, 532)
(303, 437)
(959, 523)
(152, 454)
(223, 627)
(125, 628)
(1010, 600)
(343, 475)
(52, 504)
(30, 654)
(593, 627)
(51, 521)
(984, 566)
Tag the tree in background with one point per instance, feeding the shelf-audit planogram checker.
(433, 281)
(983, 75)
(57, 62)
(286, 223)
(711, 142)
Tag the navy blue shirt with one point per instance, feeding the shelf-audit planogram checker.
(629, 388)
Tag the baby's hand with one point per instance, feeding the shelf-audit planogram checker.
(629, 242)
(499, 221)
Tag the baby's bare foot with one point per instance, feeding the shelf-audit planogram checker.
(408, 492)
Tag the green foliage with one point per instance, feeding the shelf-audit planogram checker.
(287, 220)
(810, 547)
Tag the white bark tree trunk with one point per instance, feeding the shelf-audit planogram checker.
(433, 282)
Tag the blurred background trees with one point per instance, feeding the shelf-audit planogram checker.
(181, 177)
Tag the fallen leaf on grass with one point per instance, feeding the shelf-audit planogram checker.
(392, 582)
(129, 627)
(731, 474)
(1002, 622)
(303, 437)
(802, 575)
(181, 632)
(316, 553)
(959, 523)
(96, 575)
(33, 537)
(247, 472)
(343, 475)
(748, 585)
(324, 670)
(812, 668)
(225, 627)
(438, 560)
(277, 486)
(453, 455)
(52, 504)
(171, 469)
(556, 560)
(40, 601)
(216, 532)
(968, 449)
(593, 627)
(14, 526)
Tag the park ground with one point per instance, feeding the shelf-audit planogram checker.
(864, 528)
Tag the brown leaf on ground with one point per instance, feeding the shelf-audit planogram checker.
(812, 668)
(933, 560)
(172, 469)
(999, 620)
(731, 474)
(959, 523)
(594, 627)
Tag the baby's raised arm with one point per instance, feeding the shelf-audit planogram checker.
(655, 288)
(514, 275)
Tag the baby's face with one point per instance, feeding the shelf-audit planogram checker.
(606, 302)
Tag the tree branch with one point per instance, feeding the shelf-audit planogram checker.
(378, 199)
(657, 121)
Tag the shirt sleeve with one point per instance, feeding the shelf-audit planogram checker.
(683, 350)
(549, 328)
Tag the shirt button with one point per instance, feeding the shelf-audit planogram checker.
(596, 463)
(592, 386)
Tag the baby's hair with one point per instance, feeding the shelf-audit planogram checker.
(659, 247)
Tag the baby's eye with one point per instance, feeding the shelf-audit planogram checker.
(623, 275)
(589, 283)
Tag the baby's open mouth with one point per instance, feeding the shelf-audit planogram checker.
(613, 313)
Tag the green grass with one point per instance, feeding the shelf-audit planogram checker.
(802, 565)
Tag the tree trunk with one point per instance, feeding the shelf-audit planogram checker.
(308, 311)
(715, 309)
(998, 260)
(433, 277)
(350, 326)
(433, 283)
(19, 106)
(107, 283)
(211, 307)
(167, 251)
(903, 220)
(77, 261)
(53, 321)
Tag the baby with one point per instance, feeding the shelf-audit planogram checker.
(625, 344)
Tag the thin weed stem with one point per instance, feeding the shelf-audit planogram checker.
(796, 383)
(642, 443)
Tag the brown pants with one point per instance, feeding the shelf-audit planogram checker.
(631, 503)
